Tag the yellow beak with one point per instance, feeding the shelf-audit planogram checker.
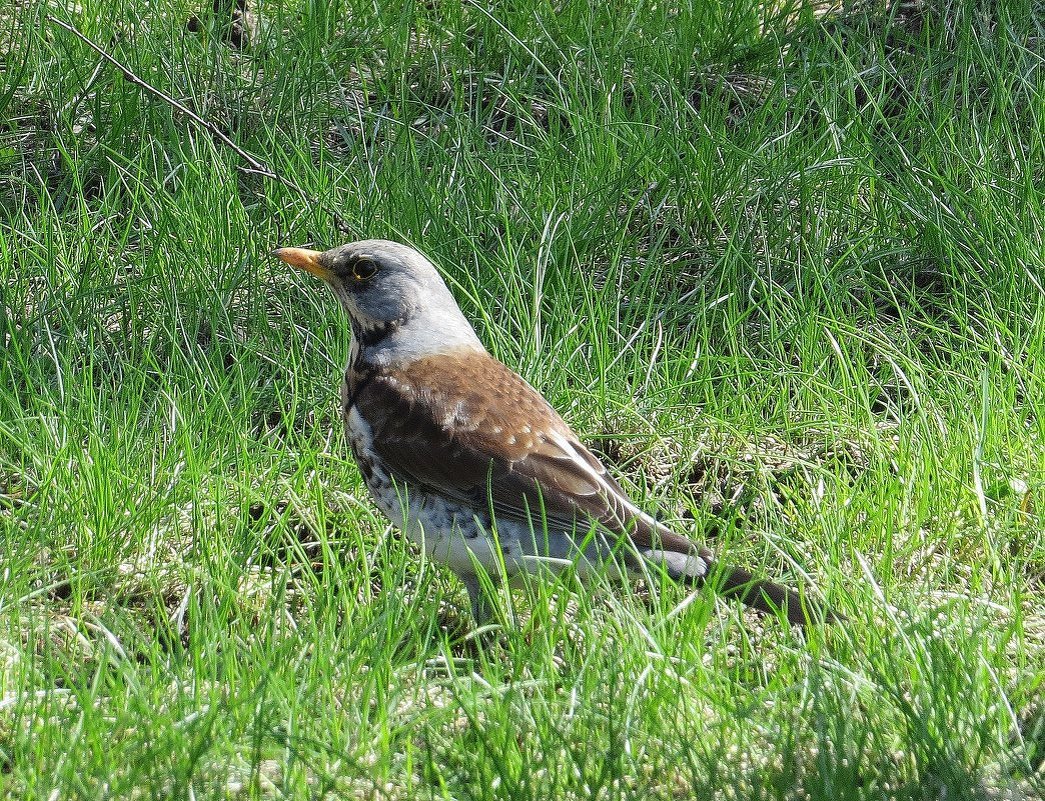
(303, 259)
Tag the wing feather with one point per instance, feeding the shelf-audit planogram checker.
(499, 443)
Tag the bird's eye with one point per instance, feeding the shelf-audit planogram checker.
(363, 269)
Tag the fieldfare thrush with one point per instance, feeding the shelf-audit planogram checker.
(472, 463)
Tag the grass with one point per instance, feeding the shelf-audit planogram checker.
(782, 268)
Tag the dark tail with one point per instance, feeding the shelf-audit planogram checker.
(686, 561)
(769, 597)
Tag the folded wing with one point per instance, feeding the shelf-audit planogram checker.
(468, 428)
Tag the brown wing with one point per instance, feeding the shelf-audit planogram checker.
(469, 428)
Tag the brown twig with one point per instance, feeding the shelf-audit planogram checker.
(254, 165)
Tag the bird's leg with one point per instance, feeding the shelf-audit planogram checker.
(475, 595)
(482, 611)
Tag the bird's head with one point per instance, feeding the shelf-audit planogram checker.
(394, 296)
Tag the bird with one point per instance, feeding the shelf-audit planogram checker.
(472, 463)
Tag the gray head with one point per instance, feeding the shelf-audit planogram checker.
(399, 306)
